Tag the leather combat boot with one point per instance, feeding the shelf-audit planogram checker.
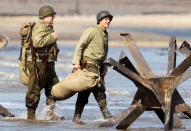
(103, 107)
(31, 114)
(50, 113)
(78, 112)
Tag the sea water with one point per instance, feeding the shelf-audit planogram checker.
(120, 92)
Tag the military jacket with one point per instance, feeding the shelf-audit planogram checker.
(43, 40)
(92, 44)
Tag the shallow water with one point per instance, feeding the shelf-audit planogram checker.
(120, 92)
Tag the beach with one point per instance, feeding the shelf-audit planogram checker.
(151, 23)
(69, 28)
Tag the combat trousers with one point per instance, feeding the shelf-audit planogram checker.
(99, 94)
(48, 78)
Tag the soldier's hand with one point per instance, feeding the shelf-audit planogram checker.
(55, 35)
(77, 66)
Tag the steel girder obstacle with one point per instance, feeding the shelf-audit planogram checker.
(155, 93)
(3, 111)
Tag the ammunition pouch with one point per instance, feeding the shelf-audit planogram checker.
(83, 64)
(43, 56)
(42, 53)
(42, 50)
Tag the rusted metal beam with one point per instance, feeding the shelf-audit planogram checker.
(146, 96)
(4, 112)
(125, 71)
(176, 120)
(122, 55)
(154, 93)
(165, 94)
(172, 55)
(186, 75)
(143, 67)
(178, 102)
(180, 105)
(149, 99)
(178, 71)
(185, 48)
(122, 115)
(163, 89)
(169, 107)
(129, 65)
(132, 116)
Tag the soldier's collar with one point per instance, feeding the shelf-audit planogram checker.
(104, 32)
(99, 27)
(41, 21)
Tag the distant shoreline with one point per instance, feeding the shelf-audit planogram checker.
(70, 28)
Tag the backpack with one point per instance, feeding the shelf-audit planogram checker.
(25, 33)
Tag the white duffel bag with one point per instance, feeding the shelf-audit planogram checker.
(78, 81)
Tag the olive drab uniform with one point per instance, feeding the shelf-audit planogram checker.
(45, 52)
(92, 48)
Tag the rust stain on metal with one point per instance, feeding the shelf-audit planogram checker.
(158, 94)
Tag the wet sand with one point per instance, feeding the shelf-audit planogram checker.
(69, 28)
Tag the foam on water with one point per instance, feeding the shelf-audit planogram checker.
(118, 93)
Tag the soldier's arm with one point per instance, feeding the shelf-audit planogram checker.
(85, 39)
(42, 38)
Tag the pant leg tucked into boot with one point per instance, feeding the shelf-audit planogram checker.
(100, 96)
(103, 107)
(50, 105)
(50, 113)
(31, 114)
(82, 100)
(78, 112)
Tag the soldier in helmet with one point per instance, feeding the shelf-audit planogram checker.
(91, 51)
(41, 59)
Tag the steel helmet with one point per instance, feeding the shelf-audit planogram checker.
(46, 11)
(103, 14)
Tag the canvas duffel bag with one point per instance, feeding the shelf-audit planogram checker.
(78, 81)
